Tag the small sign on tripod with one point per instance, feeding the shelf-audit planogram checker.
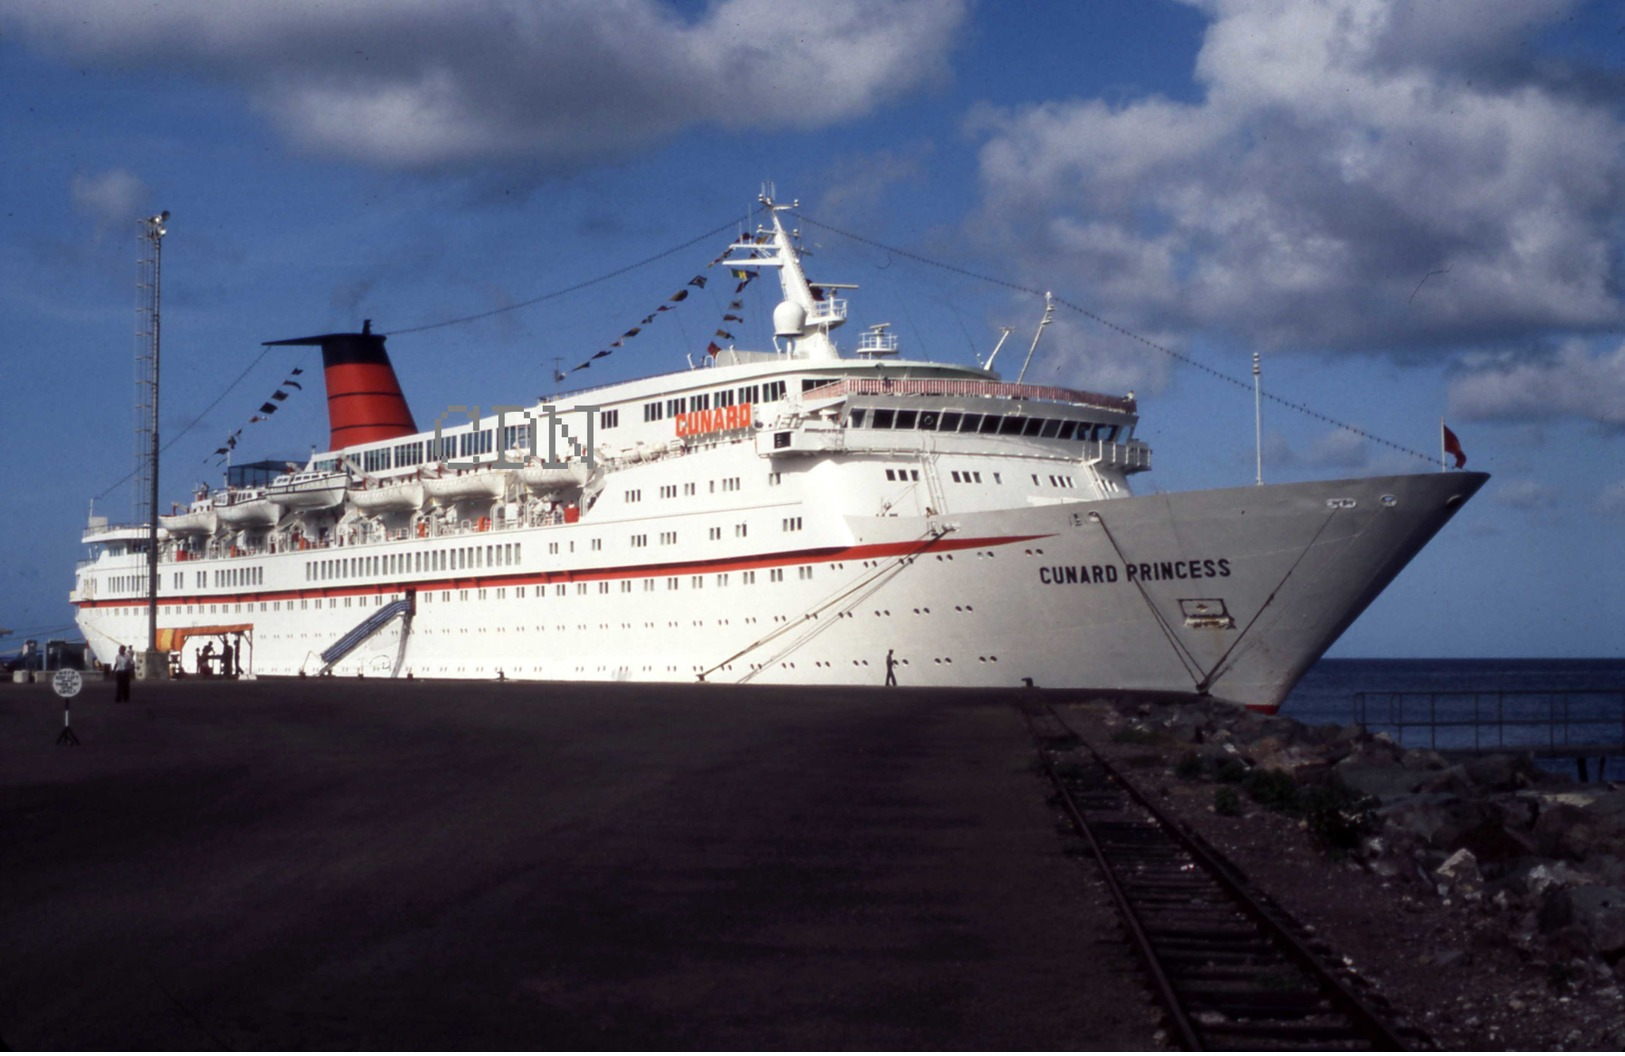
(67, 684)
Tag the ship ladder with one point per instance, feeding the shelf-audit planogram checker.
(357, 635)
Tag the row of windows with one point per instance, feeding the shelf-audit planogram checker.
(986, 424)
(704, 401)
(444, 559)
(695, 582)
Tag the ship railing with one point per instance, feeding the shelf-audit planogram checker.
(1131, 457)
(827, 311)
(964, 387)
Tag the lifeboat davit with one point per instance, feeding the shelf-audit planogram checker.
(311, 490)
(545, 479)
(467, 484)
(392, 495)
(199, 519)
(246, 509)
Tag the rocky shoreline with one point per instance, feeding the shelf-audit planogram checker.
(1483, 898)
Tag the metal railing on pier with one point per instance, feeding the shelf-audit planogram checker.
(1569, 723)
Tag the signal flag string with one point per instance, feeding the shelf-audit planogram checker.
(1124, 331)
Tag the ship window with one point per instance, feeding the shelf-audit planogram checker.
(949, 422)
(807, 384)
(907, 419)
(653, 412)
(1052, 427)
(725, 398)
(891, 474)
(855, 420)
(971, 424)
(699, 402)
(1033, 427)
(883, 417)
(1108, 433)
(928, 419)
(609, 419)
(1011, 426)
(990, 424)
(1067, 428)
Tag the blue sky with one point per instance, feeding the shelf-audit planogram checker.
(1411, 210)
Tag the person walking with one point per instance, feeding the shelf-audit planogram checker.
(123, 670)
(891, 669)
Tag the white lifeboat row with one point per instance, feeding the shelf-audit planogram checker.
(239, 508)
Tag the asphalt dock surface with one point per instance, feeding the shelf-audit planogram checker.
(368, 864)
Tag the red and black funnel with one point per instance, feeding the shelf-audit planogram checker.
(364, 401)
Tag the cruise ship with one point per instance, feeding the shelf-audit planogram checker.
(787, 515)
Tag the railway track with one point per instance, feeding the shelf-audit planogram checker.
(1229, 969)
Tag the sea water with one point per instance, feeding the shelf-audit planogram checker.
(1460, 704)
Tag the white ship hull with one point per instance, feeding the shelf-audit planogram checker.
(1232, 593)
(790, 516)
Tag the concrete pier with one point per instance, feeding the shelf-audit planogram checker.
(367, 864)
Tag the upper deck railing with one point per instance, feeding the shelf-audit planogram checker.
(965, 387)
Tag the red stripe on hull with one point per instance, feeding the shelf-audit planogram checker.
(823, 555)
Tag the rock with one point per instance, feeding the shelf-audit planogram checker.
(1460, 871)
(1452, 959)
(1422, 759)
(1290, 759)
(1502, 772)
(1564, 831)
(1384, 781)
(1491, 840)
(1556, 911)
(1599, 912)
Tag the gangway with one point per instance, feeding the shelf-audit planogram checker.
(355, 636)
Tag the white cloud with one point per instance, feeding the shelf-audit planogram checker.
(1569, 383)
(1611, 500)
(112, 198)
(1342, 152)
(1525, 494)
(420, 83)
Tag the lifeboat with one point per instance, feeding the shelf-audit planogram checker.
(199, 519)
(392, 495)
(467, 484)
(310, 490)
(246, 509)
(547, 479)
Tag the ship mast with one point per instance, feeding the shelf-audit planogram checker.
(803, 318)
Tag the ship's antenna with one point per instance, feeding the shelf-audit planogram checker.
(1258, 422)
(1004, 335)
(1049, 314)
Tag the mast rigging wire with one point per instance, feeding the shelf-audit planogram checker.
(1124, 331)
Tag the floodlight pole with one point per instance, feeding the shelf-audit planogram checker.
(1258, 423)
(153, 664)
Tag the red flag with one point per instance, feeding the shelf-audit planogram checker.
(1452, 446)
